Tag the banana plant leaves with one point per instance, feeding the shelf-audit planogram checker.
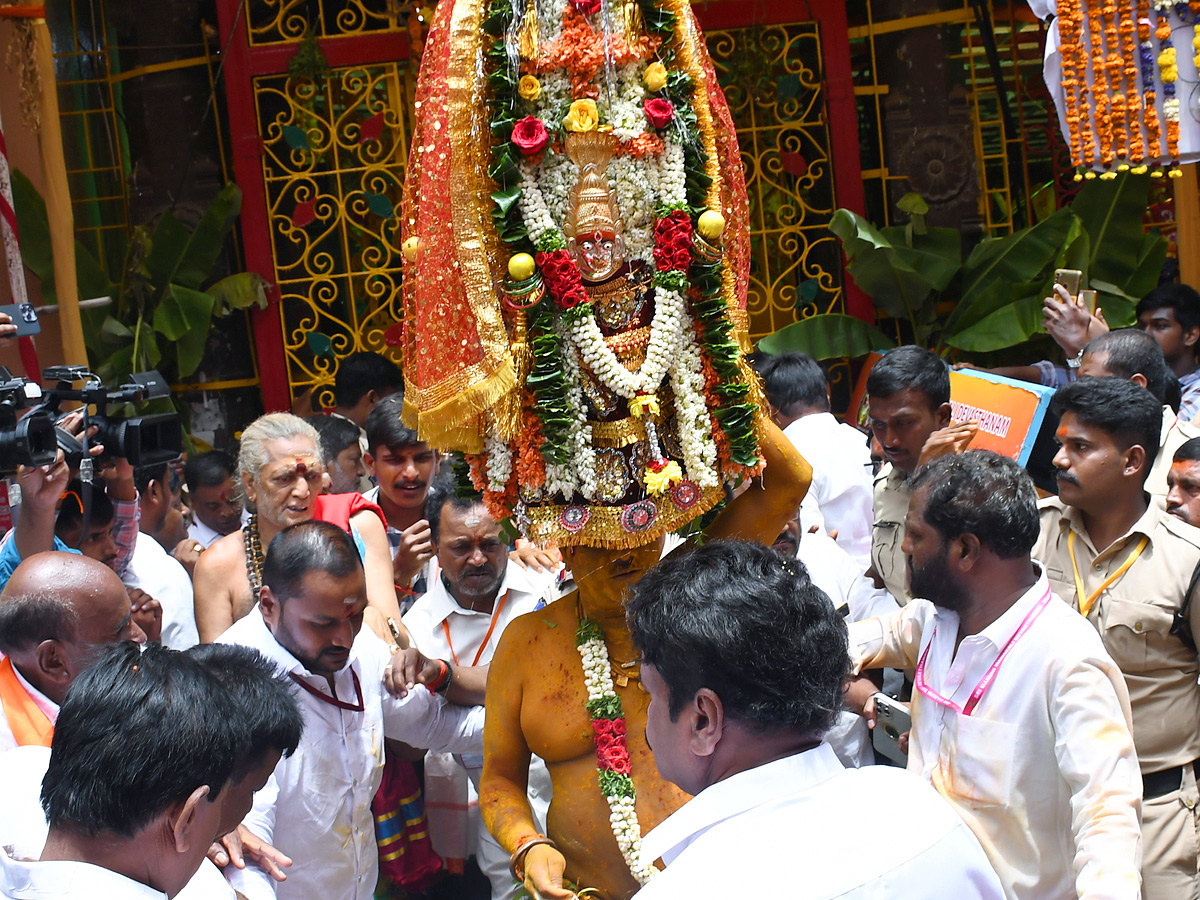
(827, 337)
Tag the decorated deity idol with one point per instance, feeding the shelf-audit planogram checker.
(575, 235)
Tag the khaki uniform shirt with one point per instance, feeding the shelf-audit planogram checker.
(1174, 435)
(1134, 617)
(891, 493)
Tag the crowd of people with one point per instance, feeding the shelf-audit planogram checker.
(277, 688)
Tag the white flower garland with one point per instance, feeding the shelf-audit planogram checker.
(691, 411)
(672, 187)
(597, 676)
(499, 462)
(583, 454)
(533, 207)
(665, 330)
(636, 183)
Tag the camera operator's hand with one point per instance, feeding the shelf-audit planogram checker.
(118, 480)
(147, 613)
(41, 487)
(72, 424)
(8, 331)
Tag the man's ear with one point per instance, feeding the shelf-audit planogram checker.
(942, 415)
(966, 553)
(372, 396)
(269, 604)
(1139, 379)
(183, 821)
(369, 462)
(1135, 460)
(707, 722)
(52, 663)
(1191, 336)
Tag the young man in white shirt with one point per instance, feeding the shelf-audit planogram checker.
(316, 807)
(478, 592)
(737, 720)
(1020, 718)
(215, 501)
(839, 497)
(140, 780)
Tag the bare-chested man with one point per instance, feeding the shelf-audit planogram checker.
(279, 465)
(536, 700)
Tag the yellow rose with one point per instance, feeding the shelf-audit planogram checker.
(582, 116)
(529, 87)
(655, 78)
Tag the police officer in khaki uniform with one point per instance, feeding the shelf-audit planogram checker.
(909, 414)
(1127, 566)
(1135, 355)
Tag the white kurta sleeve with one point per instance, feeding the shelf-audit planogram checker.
(422, 719)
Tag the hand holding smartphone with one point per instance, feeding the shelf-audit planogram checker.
(892, 719)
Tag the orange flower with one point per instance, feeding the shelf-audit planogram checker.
(645, 144)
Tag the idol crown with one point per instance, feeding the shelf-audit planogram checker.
(591, 204)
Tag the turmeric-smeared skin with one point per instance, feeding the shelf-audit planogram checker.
(536, 694)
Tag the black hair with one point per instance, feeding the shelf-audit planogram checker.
(208, 469)
(362, 372)
(307, 547)
(1181, 299)
(137, 732)
(70, 511)
(143, 475)
(1189, 451)
(384, 428)
(273, 720)
(795, 382)
(1128, 412)
(336, 434)
(746, 623)
(911, 367)
(985, 494)
(1128, 352)
(41, 614)
(440, 495)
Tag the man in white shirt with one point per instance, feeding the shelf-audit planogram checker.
(316, 807)
(215, 500)
(479, 591)
(56, 612)
(839, 497)
(1020, 718)
(152, 570)
(140, 781)
(737, 720)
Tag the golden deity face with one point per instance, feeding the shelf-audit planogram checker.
(599, 255)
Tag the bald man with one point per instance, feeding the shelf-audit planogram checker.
(56, 612)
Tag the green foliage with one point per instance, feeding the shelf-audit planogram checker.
(909, 271)
(162, 310)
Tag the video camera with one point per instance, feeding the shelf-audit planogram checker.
(34, 440)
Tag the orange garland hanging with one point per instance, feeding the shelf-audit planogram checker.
(1104, 131)
(1127, 28)
(1069, 19)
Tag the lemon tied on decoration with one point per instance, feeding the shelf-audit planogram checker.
(711, 225)
(411, 247)
(521, 266)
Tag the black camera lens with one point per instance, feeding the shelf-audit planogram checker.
(28, 441)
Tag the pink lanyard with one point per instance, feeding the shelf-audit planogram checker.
(989, 676)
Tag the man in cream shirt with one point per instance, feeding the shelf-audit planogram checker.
(316, 807)
(1020, 718)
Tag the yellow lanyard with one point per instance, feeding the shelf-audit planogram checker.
(1085, 606)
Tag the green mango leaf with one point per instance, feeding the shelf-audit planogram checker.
(827, 336)
(504, 199)
(1007, 326)
(239, 291)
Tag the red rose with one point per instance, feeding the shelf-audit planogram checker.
(562, 278)
(618, 727)
(659, 111)
(616, 760)
(530, 135)
(587, 7)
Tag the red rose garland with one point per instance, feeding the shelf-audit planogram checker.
(562, 278)
(673, 242)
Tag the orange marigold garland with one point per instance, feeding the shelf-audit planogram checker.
(1069, 17)
(1104, 130)
(1127, 27)
(1112, 65)
(1146, 62)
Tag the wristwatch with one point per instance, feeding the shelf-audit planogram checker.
(1075, 361)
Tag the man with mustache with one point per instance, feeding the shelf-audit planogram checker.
(909, 408)
(1019, 717)
(479, 591)
(216, 507)
(1183, 483)
(316, 807)
(1128, 567)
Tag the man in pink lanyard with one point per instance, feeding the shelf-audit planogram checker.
(1019, 719)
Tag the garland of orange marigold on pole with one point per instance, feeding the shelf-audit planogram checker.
(1111, 123)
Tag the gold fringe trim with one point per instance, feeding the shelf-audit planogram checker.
(445, 425)
(687, 39)
(620, 433)
(603, 528)
(527, 40)
(507, 413)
